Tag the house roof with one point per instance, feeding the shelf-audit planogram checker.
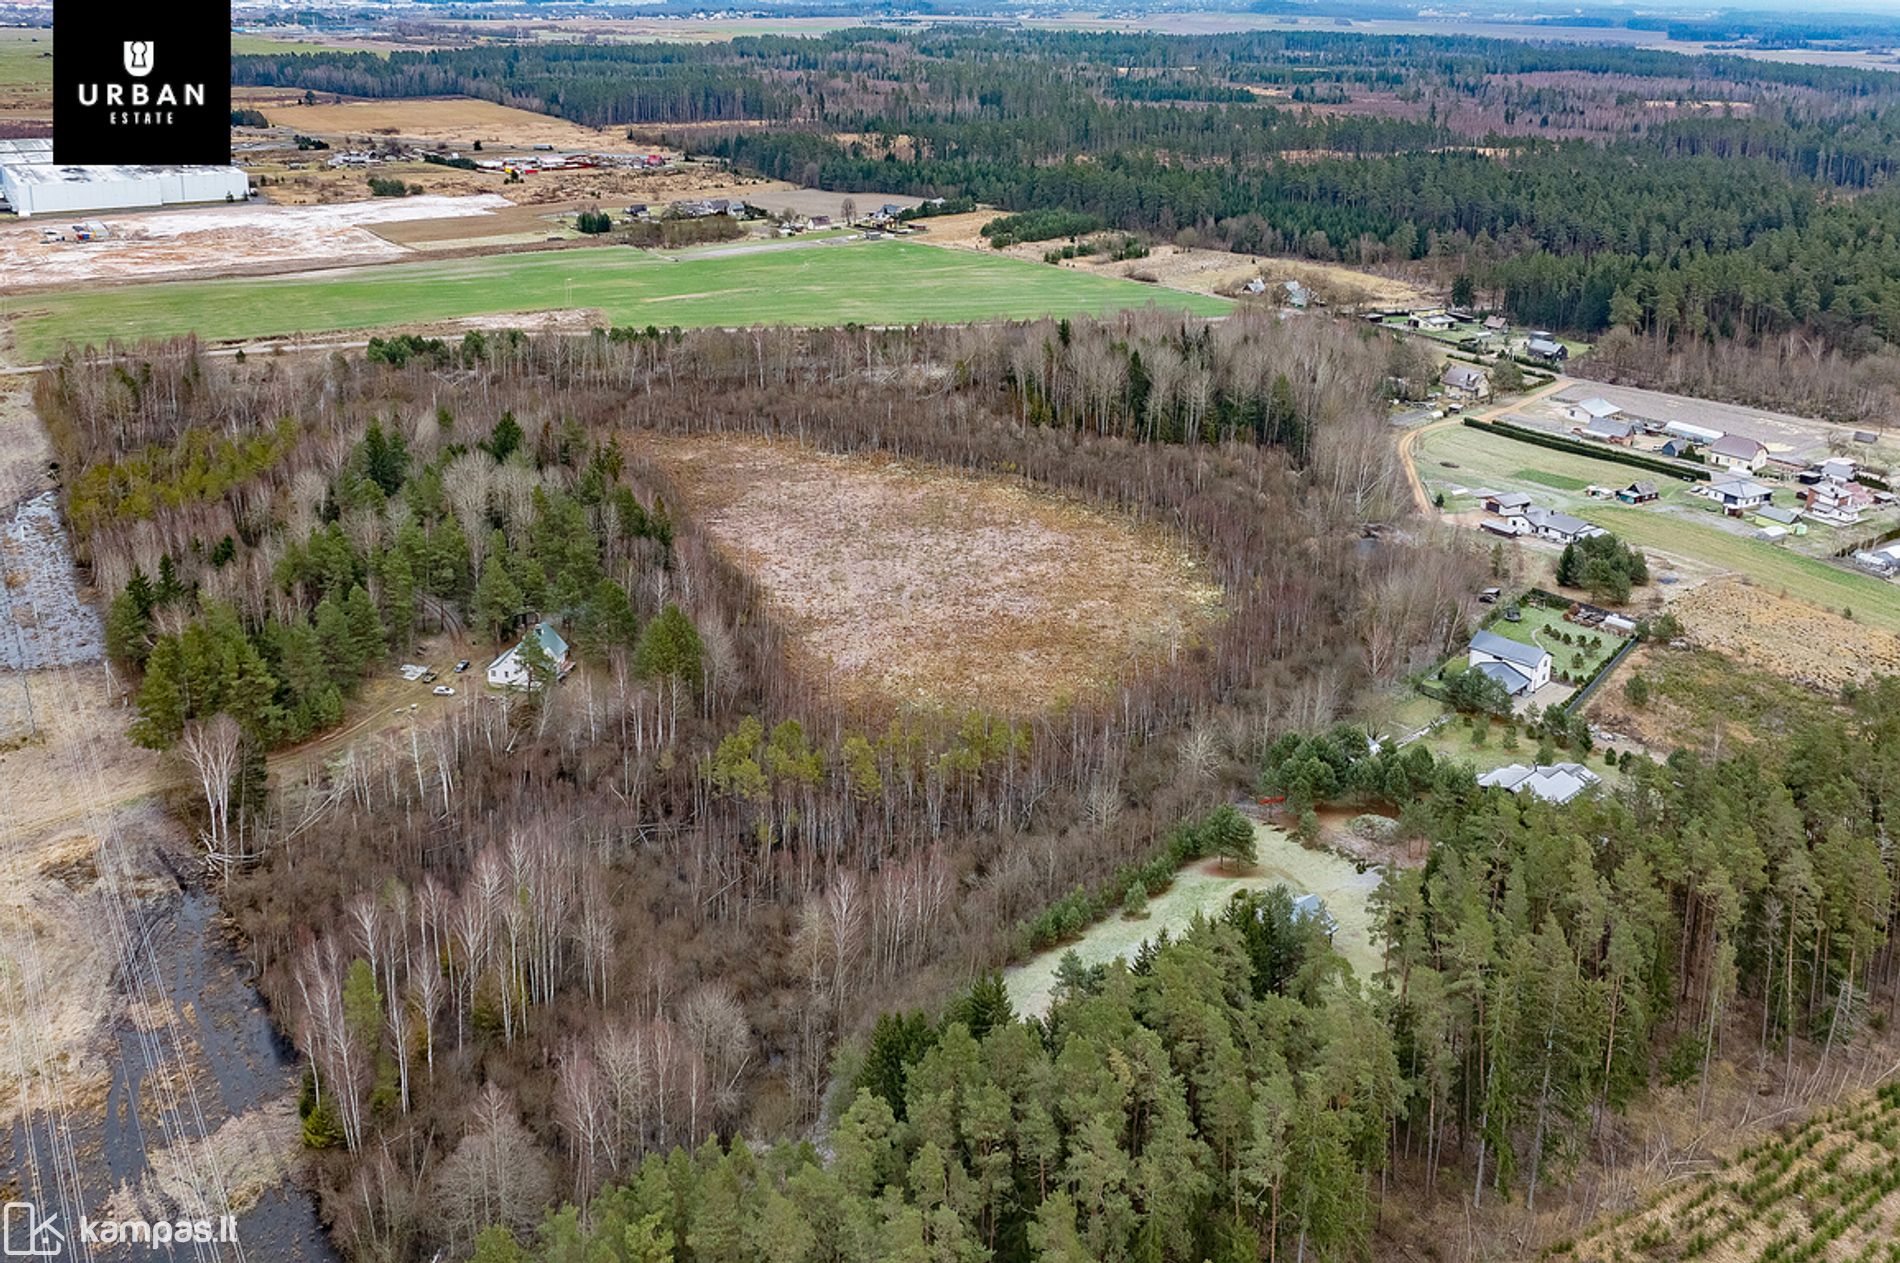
(1740, 489)
(1554, 783)
(1642, 488)
(1609, 427)
(1512, 651)
(1513, 680)
(1544, 346)
(1775, 513)
(1737, 447)
(551, 640)
(1494, 322)
(1551, 519)
(1510, 499)
(1598, 406)
(1462, 376)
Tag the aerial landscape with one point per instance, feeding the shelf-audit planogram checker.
(1198, 632)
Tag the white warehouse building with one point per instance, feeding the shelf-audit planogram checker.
(42, 188)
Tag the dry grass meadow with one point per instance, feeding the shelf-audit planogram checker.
(451, 120)
(922, 586)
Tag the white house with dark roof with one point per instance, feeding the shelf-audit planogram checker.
(1522, 669)
(1736, 452)
(1738, 495)
(1555, 783)
(510, 671)
(1562, 528)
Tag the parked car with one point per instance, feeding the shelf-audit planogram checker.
(443, 690)
(461, 666)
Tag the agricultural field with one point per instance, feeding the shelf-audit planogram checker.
(1826, 1189)
(458, 121)
(832, 283)
(1459, 460)
(920, 586)
(26, 77)
(1203, 887)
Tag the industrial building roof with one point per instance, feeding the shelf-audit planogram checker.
(42, 172)
(15, 152)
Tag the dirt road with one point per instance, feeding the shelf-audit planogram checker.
(1409, 440)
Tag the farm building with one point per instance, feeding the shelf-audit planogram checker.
(42, 188)
(1676, 447)
(1609, 430)
(1557, 783)
(1522, 669)
(1737, 452)
(1694, 433)
(1638, 493)
(509, 671)
(1594, 408)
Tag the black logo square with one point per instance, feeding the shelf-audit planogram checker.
(142, 87)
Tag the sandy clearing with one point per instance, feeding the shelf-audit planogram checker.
(169, 243)
(1790, 638)
(921, 586)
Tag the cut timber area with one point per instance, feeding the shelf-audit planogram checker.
(921, 586)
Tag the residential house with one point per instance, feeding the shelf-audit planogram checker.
(1432, 322)
(1297, 295)
(1560, 527)
(1737, 453)
(1522, 669)
(1257, 285)
(1544, 347)
(1554, 783)
(511, 671)
(1495, 324)
(1738, 495)
(1837, 503)
(1638, 493)
(1594, 408)
(1507, 503)
(1465, 381)
(1313, 908)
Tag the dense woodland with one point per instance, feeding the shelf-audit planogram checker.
(685, 855)
(1693, 200)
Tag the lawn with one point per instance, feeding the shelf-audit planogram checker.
(889, 282)
(1544, 478)
(1546, 628)
(1205, 888)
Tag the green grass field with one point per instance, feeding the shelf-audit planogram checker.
(1562, 482)
(266, 44)
(889, 282)
(21, 62)
(1681, 524)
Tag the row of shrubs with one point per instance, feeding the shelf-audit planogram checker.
(1222, 831)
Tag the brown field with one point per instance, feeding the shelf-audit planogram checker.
(1190, 268)
(1790, 638)
(922, 586)
(1701, 700)
(450, 120)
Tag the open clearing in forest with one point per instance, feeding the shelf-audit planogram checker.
(917, 585)
(1206, 887)
(794, 283)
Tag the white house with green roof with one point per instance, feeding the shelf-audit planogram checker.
(510, 670)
